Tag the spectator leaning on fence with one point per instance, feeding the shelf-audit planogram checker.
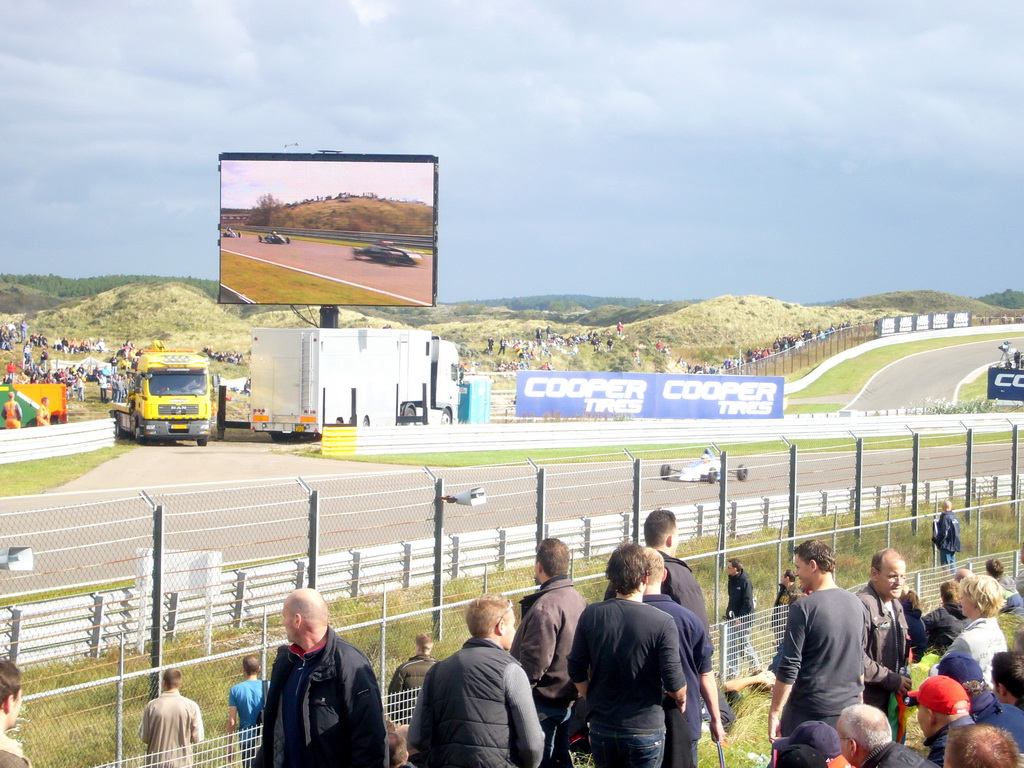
(11, 754)
(542, 646)
(323, 707)
(409, 675)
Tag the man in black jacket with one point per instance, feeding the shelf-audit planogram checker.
(946, 622)
(739, 615)
(542, 644)
(660, 533)
(865, 737)
(886, 651)
(324, 706)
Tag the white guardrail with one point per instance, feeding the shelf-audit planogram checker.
(578, 434)
(33, 443)
(62, 628)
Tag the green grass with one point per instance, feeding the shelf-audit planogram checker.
(851, 376)
(30, 477)
(78, 729)
(269, 283)
(799, 408)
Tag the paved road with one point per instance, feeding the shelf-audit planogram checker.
(83, 537)
(413, 284)
(907, 383)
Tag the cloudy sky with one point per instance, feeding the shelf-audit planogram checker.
(666, 149)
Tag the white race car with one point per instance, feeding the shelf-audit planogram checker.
(706, 469)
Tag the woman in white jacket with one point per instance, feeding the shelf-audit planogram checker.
(981, 597)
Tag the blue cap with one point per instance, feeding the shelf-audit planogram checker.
(961, 667)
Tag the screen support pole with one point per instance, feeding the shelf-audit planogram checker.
(328, 317)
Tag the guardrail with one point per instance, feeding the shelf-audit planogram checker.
(56, 440)
(424, 242)
(88, 625)
(576, 434)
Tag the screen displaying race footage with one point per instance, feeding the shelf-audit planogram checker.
(328, 229)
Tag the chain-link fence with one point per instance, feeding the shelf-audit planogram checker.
(142, 583)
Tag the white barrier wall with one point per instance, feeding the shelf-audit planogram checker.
(32, 443)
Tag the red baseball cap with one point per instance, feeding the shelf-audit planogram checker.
(943, 695)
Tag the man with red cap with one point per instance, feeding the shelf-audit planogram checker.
(942, 705)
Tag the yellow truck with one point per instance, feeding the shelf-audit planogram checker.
(169, 398)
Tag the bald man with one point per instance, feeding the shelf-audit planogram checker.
(324, 706)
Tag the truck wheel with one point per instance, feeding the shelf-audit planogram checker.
(409, 411)
(202, 442)
(140, 434)
(446, 416)
(366, 421)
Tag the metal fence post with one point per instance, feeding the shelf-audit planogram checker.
(793, 498)
(355, 573)
(588, 534)
(383, 635)
(96, 633)
(314, 535)
(16, 619)
(438, 555)
(119, 712)
(723, 520)
(238, 609)
(541, 489)
(1014, 455)
(406, 564)
(156, 635)
(700, 520)
(858, 483)
(977, 533)
(968, 472)
(456, 554)
(915, 476)
(637, 476)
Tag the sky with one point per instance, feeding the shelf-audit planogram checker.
(662, 149)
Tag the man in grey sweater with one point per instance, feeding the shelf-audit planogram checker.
(822, 661)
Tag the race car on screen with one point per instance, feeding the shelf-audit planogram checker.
(706, 469)
(229, 232)
(387, 252)
(274, 239)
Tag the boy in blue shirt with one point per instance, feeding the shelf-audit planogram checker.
(245, 703)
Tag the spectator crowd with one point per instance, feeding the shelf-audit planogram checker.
(631, 675)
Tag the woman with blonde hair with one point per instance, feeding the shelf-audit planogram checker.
(981, 597)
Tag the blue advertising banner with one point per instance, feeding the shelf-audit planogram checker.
(1005, 384)
(648, 395)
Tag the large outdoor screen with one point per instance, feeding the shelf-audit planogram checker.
(328, 229)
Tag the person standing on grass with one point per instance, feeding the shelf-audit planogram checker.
(170, 725)
(245, 704)
(822, 661)
(946, 535)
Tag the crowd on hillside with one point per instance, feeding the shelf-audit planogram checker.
(522, 352)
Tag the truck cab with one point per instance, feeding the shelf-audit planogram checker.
(169, 398)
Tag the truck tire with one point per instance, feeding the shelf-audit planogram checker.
(446, 416)
(408, 411)
(202, 442)
(140, 434)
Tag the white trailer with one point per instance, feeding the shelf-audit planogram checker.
(304, 379)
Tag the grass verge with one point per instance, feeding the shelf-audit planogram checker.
(30, 477)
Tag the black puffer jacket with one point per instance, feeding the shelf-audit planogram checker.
(943, 625)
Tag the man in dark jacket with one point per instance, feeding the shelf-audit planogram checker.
(542, 645)
(866, 740)
(886, 651)
(409, 675)
(946, 535)
(739, 615)
(323, 707)
(660, 532)
(946, 622)
(475, 707)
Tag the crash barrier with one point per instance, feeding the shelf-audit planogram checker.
(585, 433)
(424, 242)
(338, 441)
(32, 443)
(213, 559)
(124, 708)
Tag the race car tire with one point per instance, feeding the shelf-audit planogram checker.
(287, 241)
(712, 475)
(741, 473)
(665, 470)
(260, 238)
